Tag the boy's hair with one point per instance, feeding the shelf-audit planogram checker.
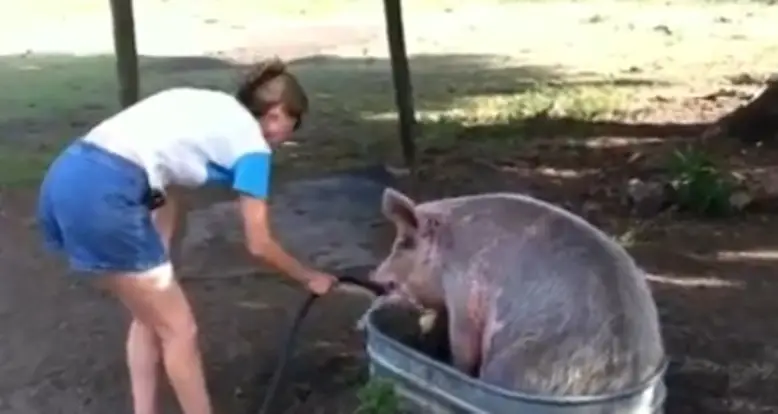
(269, 83)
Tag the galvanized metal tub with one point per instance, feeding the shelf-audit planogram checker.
(425, 385)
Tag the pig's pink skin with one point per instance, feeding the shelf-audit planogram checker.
(538, 300)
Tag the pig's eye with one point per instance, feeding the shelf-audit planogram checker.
(406, 243)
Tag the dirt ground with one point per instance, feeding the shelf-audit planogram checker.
(714, 280)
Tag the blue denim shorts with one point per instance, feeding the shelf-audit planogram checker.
(92, 209)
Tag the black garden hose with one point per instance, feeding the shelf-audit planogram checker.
(288, 341)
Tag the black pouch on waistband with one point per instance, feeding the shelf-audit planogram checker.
(154, 199)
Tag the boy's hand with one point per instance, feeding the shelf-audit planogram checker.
(320, 283)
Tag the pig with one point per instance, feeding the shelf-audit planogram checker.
(537, 299)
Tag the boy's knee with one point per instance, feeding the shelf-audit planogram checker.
(178, 329)
(176, 323)
(158, 302)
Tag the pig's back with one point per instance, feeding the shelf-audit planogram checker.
(576, 312)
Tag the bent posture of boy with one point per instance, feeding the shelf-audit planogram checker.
(96, 203)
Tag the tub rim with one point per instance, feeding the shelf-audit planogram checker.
(650, 383)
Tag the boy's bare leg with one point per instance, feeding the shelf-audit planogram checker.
(143, 358)
(157, 300)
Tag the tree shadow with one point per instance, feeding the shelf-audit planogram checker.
(438, 80)
(550, 126)
(52, 99)
(52, 91)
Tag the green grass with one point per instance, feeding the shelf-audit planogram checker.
(45, 86)
(378, 397)
(49, 100)
(352, 99)
(22, 168)
(700, 185)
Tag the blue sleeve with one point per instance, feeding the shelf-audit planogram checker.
(251, 175)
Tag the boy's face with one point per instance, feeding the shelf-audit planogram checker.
(277, 125)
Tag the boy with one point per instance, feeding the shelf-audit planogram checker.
(96, 203)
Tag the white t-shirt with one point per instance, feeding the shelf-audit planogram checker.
(190, 137)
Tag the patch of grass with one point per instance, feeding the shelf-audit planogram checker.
(554, 101)
(378, 397)
(52, 99)
(505, 119)
(700, 186)
(48, 100)
(496, 101)
(40, 86)
(22, 168)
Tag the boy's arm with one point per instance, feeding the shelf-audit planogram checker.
(252, 182)
(261, 243)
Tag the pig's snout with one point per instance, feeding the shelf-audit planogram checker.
(379, 277)
(388, 285)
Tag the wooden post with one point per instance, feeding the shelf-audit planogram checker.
(403, 92)
(126, 51)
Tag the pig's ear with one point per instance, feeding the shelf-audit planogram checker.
(400, 209)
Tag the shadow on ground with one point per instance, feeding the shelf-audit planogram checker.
(68, 94)
(714, 292)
